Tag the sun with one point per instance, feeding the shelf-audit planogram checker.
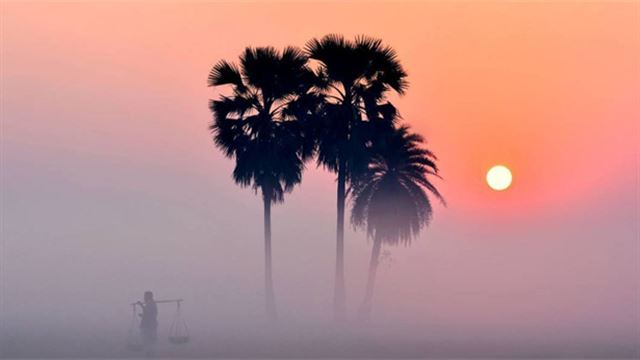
(499, 177)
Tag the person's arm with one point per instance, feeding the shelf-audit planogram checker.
(141, 304)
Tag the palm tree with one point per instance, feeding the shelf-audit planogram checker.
(390, 200)
(356, 75)
(261, 125)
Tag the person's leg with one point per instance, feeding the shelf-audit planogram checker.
(149, 336)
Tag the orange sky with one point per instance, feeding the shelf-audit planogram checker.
(109, 101)
(549, 89)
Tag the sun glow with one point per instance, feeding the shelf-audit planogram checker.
(499, 177)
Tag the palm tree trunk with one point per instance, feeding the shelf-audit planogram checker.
(339, 300)
(364, 312)
(268, 276)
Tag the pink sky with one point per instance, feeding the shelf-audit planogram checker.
(105, 103)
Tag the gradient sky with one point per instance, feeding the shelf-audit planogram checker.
(111, 184)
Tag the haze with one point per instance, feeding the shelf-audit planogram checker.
(111, 184)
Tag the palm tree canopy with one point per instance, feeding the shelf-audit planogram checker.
(355, 77)
(391, 199)
(365, 62)
(262, 124)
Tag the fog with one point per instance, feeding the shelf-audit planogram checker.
(76, 255)
(111, 186)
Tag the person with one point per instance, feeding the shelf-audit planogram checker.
(149, 322)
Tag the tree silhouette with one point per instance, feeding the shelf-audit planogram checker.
(356, 76)
(262, 126)
(390, 199)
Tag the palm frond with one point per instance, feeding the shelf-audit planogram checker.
(225, 73)
(390, 199)
(266, 125)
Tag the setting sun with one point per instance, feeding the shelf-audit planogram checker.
(499, 177)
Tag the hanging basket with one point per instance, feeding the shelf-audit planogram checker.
(178, 340)
(134, 337)
(135, 346)
(178, 332)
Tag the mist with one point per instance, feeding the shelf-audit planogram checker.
(111, 186)
(69, 276)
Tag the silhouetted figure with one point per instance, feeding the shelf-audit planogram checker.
(149, 322)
